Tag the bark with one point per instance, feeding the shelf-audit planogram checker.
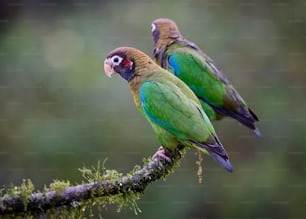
(41, 202)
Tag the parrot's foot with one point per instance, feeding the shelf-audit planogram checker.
(161, 153)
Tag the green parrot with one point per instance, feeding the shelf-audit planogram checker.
(186, 60)
(169, 105)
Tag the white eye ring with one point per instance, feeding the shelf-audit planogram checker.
(116, 60)
(153, 27)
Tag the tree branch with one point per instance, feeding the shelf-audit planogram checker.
(137, 182)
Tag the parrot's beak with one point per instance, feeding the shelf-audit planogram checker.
(108, 68)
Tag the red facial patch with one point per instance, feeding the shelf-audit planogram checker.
(127, 63)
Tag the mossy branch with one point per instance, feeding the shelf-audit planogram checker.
(24, 201)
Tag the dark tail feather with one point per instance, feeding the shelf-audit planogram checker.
(223, 162)
(217, 152)
(256, 130)
(254, 115)
(247, 118)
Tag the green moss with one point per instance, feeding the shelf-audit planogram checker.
(23, 191)
(101, 174)
(58, 186)
(26, 189)
(93, 174)
(125, 197)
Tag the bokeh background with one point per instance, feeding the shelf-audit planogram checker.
(58, 111)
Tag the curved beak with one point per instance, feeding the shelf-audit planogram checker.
(108, 68)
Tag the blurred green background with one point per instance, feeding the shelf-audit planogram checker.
(58, 110)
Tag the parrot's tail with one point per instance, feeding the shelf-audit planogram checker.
(224, 162)
(216, 151)
(246, 117)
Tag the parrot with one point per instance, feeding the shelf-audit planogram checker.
(169, 105)
(186, 60)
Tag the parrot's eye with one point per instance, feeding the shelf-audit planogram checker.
(153, 27)
(116, 60)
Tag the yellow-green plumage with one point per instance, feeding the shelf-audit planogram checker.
(169, 105)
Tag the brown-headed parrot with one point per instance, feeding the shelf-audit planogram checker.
(169, 105)
(186, 60)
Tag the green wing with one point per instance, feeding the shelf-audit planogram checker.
(199, 72)
(193, 69)
(167, 106)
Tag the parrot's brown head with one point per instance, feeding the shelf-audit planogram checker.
(164, 30)
(128, 62)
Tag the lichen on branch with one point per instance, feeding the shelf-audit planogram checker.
(102, 187)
